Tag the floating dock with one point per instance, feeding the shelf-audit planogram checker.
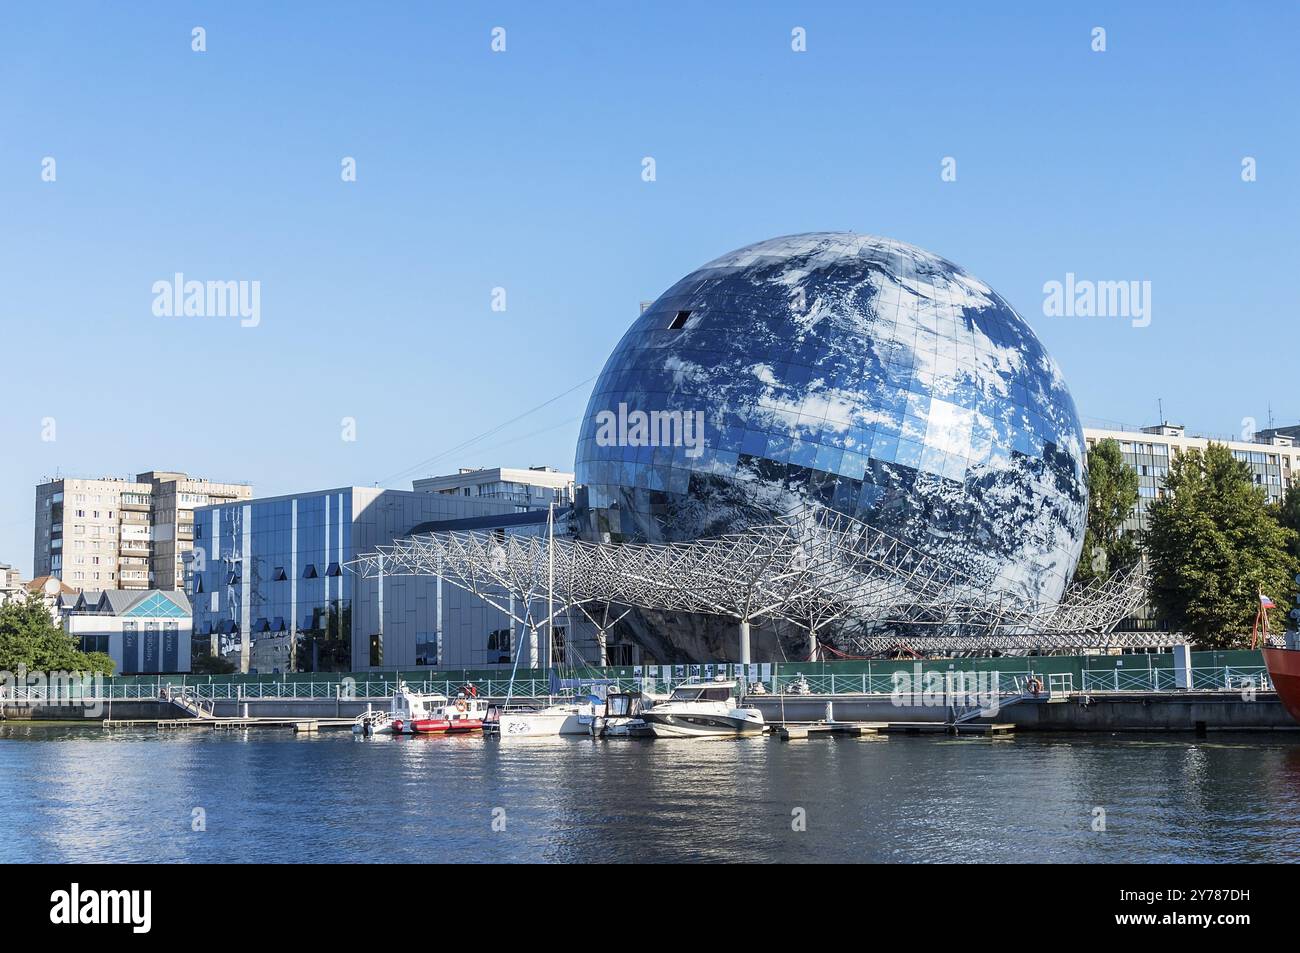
(299, 725)
(793, 731)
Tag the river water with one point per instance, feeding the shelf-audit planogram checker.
(78, 793)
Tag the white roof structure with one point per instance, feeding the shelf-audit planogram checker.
(840, 579)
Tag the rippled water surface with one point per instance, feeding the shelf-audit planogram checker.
(77, 793)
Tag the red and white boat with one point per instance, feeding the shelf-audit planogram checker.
(405, 709)
(464, 714)
(1283, 663)
(1284, 673)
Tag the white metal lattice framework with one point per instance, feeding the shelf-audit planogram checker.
(851, 586)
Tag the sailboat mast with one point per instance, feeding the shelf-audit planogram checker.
(550, 583)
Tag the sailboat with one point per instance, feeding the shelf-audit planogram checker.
(553, 720)
(568, 717)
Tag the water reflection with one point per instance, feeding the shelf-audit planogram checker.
(79, 793)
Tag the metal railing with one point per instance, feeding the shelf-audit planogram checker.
(1218, 678)
(879, 683)
(1226, 678)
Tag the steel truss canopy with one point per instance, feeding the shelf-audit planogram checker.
(853, 588)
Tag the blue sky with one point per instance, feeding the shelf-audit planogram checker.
(522, 170)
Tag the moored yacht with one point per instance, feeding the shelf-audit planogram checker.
(622, 716)
(698, 709)
(552, 720)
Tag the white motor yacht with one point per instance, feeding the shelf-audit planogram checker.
(698, 709)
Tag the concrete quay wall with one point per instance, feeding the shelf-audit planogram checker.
(1093, 711)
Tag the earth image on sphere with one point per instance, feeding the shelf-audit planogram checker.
(858, 372)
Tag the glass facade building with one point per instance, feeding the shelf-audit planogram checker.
(272, 593)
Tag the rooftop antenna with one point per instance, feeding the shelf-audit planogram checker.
(1161, 404)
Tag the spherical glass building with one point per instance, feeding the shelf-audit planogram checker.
(860, 372)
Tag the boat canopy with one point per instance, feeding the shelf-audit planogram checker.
(709, 692)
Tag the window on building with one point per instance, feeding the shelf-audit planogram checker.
(279, 575)
(310, 571)
(333, 570)
(94, 643)
(426, 650)
(679, 321)
(500, 645)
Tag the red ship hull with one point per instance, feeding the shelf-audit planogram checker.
(444, 726)
(1284, 672)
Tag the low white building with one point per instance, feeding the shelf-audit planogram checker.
(145, 633)
(531, 488)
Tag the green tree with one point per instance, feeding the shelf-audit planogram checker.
(29, 637)
(1288, 514)
(1213, 546)
(1112, 494)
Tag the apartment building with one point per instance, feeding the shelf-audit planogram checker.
(1273, 457)
(122, 532)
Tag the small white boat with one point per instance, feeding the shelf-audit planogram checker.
(406, 708)
(622, 717)
(699, 709)
(553, 720)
